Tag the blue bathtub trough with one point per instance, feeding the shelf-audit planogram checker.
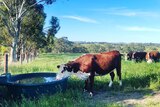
(16, 88)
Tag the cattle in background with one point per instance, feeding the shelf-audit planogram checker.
(152, 56)
(139, 56)
(89, 65)
(129, 55)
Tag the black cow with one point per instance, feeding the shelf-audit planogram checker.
(139, 56)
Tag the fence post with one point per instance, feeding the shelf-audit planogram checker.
(6, 63)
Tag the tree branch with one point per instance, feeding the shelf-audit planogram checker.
(21, 7)
(8, 28)
(31, 7)
(6, 5)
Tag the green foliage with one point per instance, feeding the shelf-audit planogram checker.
(54, 28)
(50, 36)
(79, 49)
(32, 35)
(3, 49)
(23, 21)
(95, 47)
(62, 45)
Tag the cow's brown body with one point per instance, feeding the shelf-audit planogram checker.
(153, 55)
(101, 64)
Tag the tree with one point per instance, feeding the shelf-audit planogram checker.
(51, 32)
(32, 36)
(79, 49)
(95, 48)
(62, 45)
(12, 13)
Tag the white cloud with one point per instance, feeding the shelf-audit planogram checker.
(82, 19)
(138, 28)
(122, 11)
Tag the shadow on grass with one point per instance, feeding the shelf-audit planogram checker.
(138, 82)
(135, 87)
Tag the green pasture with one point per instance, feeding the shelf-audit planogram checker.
(137, 77)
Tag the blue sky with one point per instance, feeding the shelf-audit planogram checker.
(107, 20)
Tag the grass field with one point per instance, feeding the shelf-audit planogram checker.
(140, 80)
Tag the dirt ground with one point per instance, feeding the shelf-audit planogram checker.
(130, 99)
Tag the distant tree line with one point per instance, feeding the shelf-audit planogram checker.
(63, 45)
(53, 44)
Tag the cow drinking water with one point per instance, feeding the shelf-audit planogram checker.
(89, 65)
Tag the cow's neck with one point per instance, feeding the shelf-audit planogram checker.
(81, 75)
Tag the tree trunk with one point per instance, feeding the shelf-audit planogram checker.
(22, 54)
(13, 51)
(27, 57)
(15, 40)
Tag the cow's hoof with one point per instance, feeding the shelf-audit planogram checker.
(91, 94)
(110, 84)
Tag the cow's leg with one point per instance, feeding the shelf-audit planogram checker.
(91, 82)
(112, 78)
(86, 85)
(119, 75)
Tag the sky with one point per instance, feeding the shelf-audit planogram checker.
(112, 21)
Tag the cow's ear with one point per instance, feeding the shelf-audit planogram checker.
(58, 66)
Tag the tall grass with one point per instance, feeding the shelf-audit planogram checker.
(141, 77)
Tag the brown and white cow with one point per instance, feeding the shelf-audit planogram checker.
(152, 56)
(90, 65)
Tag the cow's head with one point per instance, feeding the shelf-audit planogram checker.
(149, 60)
(64, 71)
(127, 56)
(71, 68)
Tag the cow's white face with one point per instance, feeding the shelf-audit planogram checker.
(62, 72)
(126, 57)
(150, 61)
(65, 71)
